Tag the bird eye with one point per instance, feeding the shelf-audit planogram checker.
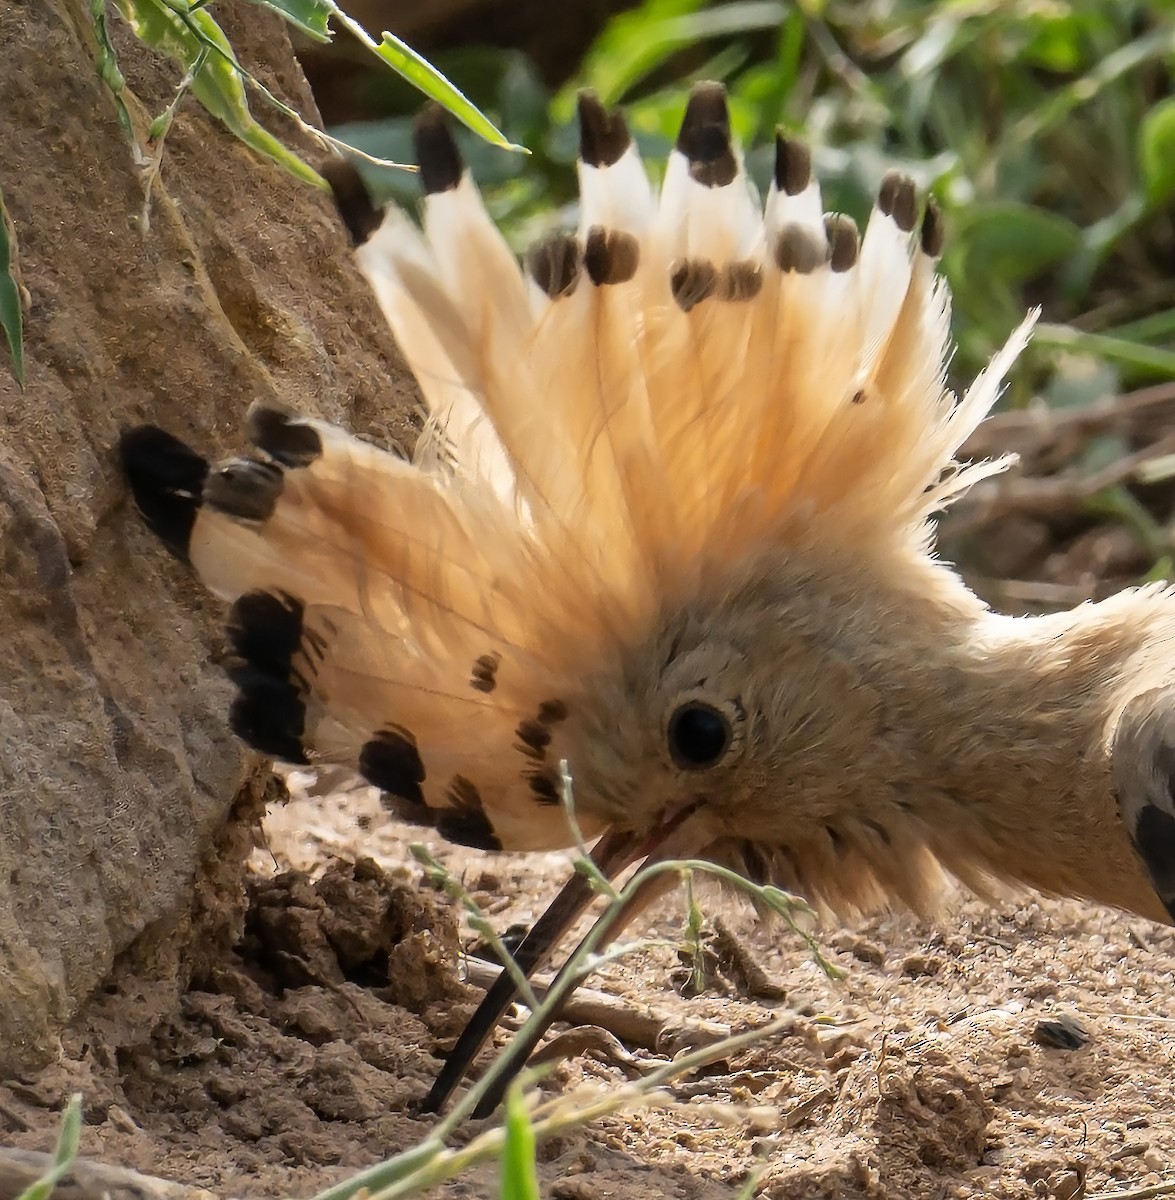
(699, 736)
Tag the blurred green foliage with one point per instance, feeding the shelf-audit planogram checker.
(11, 311)
(1046, 130)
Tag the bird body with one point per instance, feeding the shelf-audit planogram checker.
(670, 522)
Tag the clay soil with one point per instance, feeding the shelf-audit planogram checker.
(944, 1064)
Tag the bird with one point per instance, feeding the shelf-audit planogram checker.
(669, 528)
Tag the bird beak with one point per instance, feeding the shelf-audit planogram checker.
(615, 851)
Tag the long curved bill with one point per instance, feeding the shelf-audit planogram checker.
(614, 922)
(612, 854)
(615, 851)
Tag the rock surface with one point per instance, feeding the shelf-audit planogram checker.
(125, 803)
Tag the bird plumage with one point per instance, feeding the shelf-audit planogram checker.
(671, 521)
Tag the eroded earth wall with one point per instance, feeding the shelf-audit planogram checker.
(124, 801)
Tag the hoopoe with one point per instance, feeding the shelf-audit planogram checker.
(670, 522)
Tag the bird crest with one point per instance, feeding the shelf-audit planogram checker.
(685, 378)
(686, 388)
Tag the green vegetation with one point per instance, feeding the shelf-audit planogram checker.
(11, 311)
(186, 31)
(64, 1153)
(1045, 129)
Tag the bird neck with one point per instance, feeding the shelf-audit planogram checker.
(1018, 761)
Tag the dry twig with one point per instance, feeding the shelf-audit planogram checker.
(634, 1025)
(1142, 1193)
(88, 1180)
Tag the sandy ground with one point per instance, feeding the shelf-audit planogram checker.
(926, 1071)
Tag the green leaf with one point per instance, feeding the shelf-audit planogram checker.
(423, 75)
(1012, 242)
(635, 44)
(1144, 360)
(63, 1155)
(627, 47)
(425, 78)
(183, 33)
(310, 16)
(1057, 43)
(750, 1187)
(519, 1177)
(1156, 152)
(11, 315)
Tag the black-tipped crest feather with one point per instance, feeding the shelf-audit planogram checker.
(793, 164)
(265, 631)
(705, 136)
(167, 479)
(437, 155)
(353, 201)
(287, 440)
(603, 135)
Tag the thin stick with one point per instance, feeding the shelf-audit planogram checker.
(639, 1025)
(1142, 1193)
(89, 1180)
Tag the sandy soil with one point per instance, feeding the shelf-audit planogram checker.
(299, 1058)
(295, 1057)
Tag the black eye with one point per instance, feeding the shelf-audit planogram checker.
(699, 735)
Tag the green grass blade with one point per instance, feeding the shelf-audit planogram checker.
(424, 76)
(1148, 360)
(1123, 61)
(219, 88)
(108, 69)
(1160, 324)
(63, 1155)
(182, 33)
(751, 1186)
(629, 50)
(310, 16)
(629, 46)
(11, 314)
(519, 1177)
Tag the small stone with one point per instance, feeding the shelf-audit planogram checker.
(1064, 1032)
(915, 966)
